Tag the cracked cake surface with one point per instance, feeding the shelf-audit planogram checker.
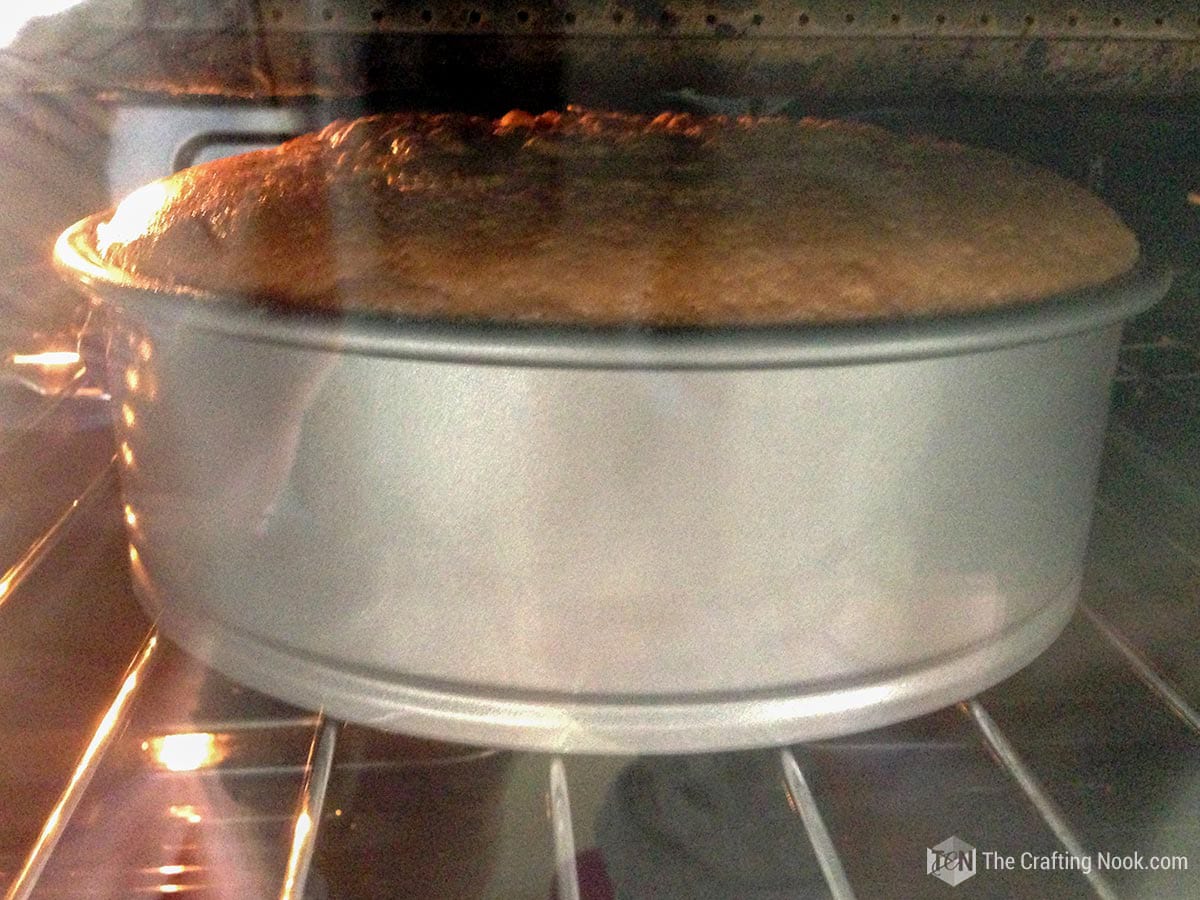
(597, 218)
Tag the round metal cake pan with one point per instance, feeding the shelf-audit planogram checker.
(609, 540)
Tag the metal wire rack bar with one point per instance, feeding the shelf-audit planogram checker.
(566, 873)
(348, 766)
(1144, 671)
(24, 567)
(1008, 757)
(818, 834)
(308, 816)
(56, 823)
(248, 724)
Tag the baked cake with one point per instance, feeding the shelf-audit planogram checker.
(602, 218)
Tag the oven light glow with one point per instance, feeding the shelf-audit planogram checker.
(187, 813)
(130, 516)
(48, 359)
(126, 453)
(16, 14)
(134, 556)
(185, 752)
(170, 888)
(127, 415)
(133, 217)
(131, 379)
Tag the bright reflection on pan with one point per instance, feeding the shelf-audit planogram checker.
(185, 752)
(833, 703)
(133, 217)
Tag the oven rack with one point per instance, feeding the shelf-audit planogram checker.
(1102, 729)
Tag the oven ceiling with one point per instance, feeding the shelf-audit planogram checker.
(612, 51)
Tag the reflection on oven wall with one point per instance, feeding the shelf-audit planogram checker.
(154, 140)
(53, 151)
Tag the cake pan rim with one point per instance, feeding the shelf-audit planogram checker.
(516, 720)
(565, 346)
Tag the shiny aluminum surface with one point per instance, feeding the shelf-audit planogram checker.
(199, 794)
(618, 556)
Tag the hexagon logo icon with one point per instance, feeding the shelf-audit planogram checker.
(953, 861)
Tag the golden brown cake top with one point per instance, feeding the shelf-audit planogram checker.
(610, 218)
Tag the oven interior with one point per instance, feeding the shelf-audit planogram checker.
(132, 770)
